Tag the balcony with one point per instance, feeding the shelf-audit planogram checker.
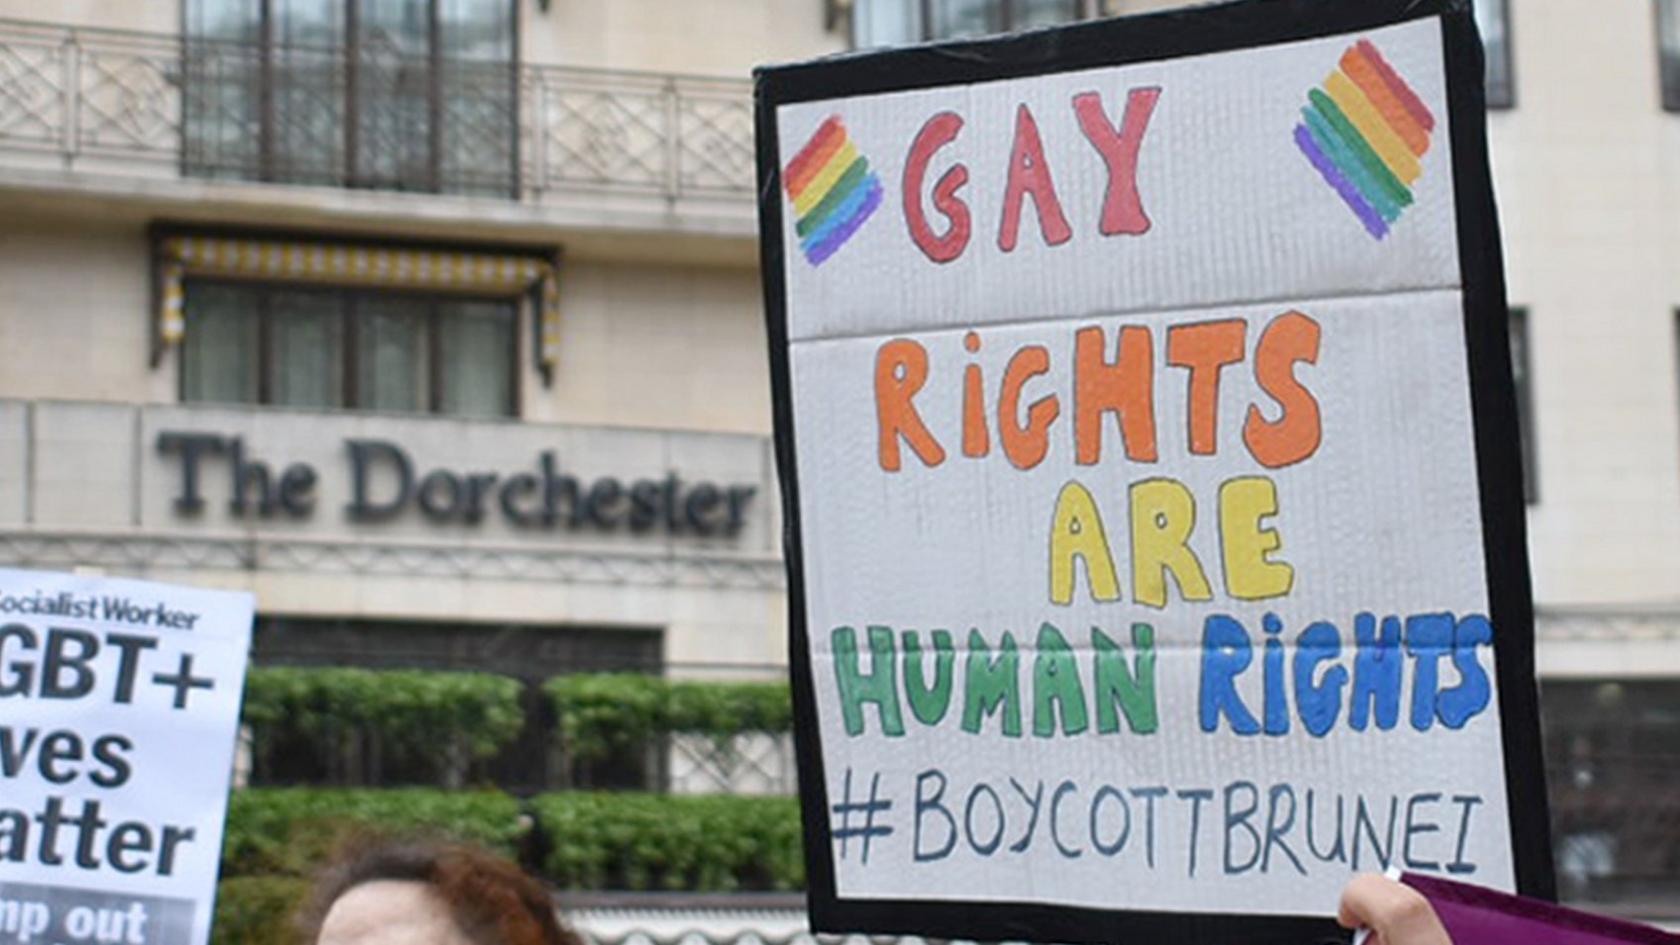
(116, 114)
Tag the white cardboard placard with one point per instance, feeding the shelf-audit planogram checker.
(119, 714)
(1154, 515)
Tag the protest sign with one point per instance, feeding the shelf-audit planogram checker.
(1147, 442)
(119, 708)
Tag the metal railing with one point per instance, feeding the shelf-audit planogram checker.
(151, 104)
(634, 132)
(78, 93)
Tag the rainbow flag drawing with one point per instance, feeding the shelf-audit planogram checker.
(832, 189)
(1365, 132)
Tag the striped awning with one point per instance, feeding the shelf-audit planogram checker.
(350, 264)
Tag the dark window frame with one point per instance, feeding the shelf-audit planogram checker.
(1088, 9)
(1612, 745)
(1667, 12)
(348, 172)
(1676, 315)
(1501, 95)
(1009, 14)
(351, 329)
(1522, 372)
(528, 311)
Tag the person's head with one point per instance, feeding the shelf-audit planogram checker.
(422, 893)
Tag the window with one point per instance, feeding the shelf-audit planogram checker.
(892, 22)
(895, 22)
(1677, 331)
(389, 94)
(1493, 18)
(339, 348)
(1668, 52)
(1613, 756)
(1520, 373)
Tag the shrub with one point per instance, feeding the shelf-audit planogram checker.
(724, 710)
(257, 910)
(292, 831)
(657, 841)
(444, 720)
(430, 725)
(604, 713)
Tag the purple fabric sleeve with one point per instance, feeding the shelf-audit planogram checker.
(1477, 916)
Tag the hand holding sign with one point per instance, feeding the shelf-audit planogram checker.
(1389, 913)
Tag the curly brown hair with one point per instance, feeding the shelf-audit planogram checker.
(491, 900)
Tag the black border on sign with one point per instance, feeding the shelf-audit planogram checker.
(1170, 35)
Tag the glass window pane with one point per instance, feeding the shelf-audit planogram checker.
(1668, 43)
(310, 24)
(1525, 403)
(1491, 22)
(957, 18)
(221, 89)
(393, 91)
(476, 346)
(480, 104)
(309, 88)
(434, 101)
(1612, 754)
(477, 30)
(306, 334)
(1030, 13)
(886, 22)
(479, 109)
(237, 20)
(219, 350)
(393, 365)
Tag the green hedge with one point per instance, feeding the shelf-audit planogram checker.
(666, 841)
(596, 840)
(414, 713)
(603, 713)
(292, 831)
(409, 710)
(257, 910)
(277, 838)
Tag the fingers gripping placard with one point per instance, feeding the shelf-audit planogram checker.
(1144, 427)
(119, 706)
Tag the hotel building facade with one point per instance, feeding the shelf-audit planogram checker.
(436, 324)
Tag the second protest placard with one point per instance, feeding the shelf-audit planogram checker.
(119, 715)
(1148, 444)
